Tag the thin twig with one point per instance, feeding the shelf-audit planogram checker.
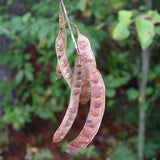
(69, 26)
(154, 43)
(154, 98)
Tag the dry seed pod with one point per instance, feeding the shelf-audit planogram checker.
(85, 89)
(58, 73)
(62, 59)
(95, 115)
(97, 105)
(72, 109)
(85, 50)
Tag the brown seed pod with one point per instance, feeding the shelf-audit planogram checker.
(62, 59)
(58, 73)
(85, 50)
(97, 105)
(72, 109)
(95, 115)
(85, 89)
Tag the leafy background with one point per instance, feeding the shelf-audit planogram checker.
(32, 102)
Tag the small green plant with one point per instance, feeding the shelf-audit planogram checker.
(120, 152)
(3, 140)
(33, 153)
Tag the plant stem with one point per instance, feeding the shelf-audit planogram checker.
(142, 104)
(69, 26)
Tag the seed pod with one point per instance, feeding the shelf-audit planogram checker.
(95, 114)
(62, 59)
(58, 73)
(85, 50)
(85, 89)
(72, 109)
(97, 105)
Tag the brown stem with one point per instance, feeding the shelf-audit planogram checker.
(69, 26)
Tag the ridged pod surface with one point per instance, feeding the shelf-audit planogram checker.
(62, 59)
(86, 51)
(58, 73)
(95, 114)
(97, 105)
(72, 109)
(85, 89)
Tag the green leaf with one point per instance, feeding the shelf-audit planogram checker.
(124, 15)
(16, 24)
(145, 30)
(157, 30)
(114, 82)
(29, 75)
(19, 76)
(132, 94)
(121, 31)
(82, 5)
(44, 31)
(26, 17)
(155, 17)
(110, 93)
(42, 43)
(110, 103)
(149, 91)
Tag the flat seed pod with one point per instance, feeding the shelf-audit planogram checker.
(95, 114)
(85, 50)
(72, 109)
(62, 59)
(97, 104)
(58, 73)
(85, 90)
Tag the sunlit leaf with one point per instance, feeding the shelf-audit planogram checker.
(124, 15)
(82, 4)
(155, 17)
(145, 30)
(26, 17)
(121, 30)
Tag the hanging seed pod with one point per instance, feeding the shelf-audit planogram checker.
(58, 73)
(97, 105)
(62, 59)
(85, 50)
(85, 89)
(72, 109)
(95, 114)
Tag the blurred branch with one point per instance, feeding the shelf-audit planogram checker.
(113, 45)
(154, 43)
(153, 98)
(142, 88)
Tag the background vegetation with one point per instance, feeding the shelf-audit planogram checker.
(125, 37)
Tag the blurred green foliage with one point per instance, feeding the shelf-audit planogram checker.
(34, 153)
(32, 59)
(86, 153)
